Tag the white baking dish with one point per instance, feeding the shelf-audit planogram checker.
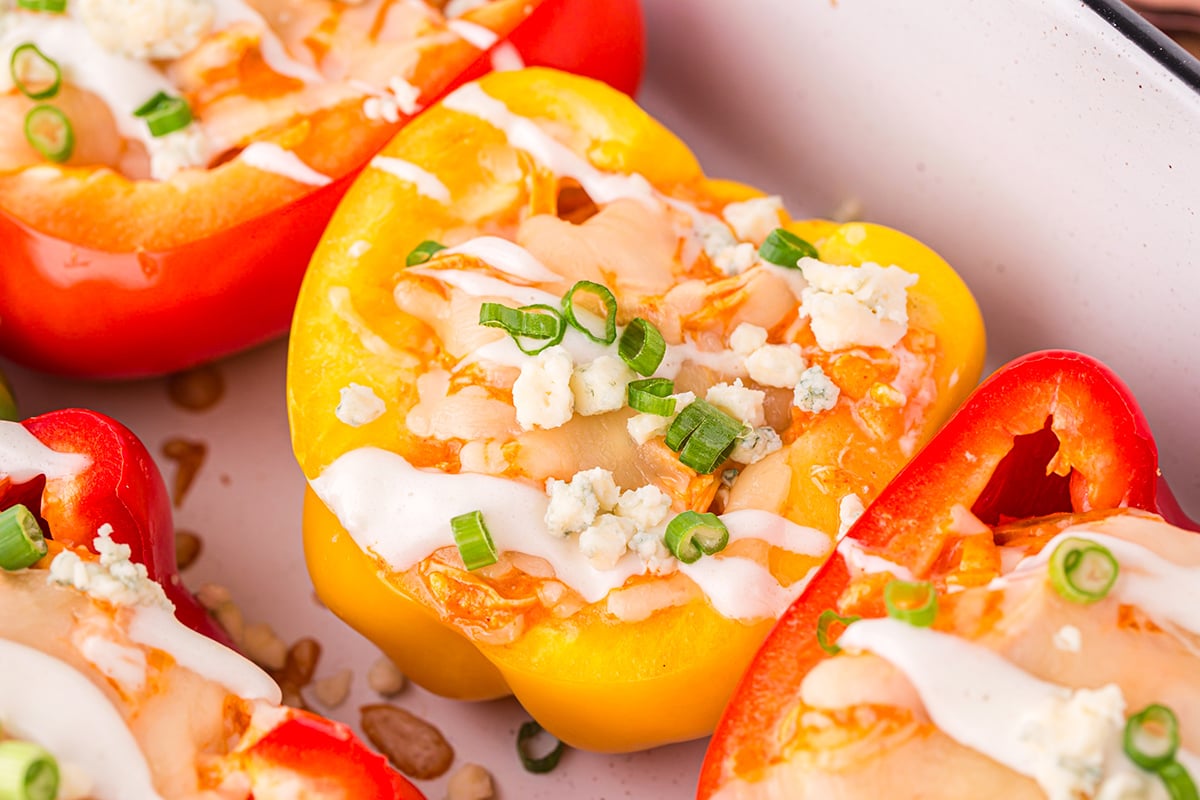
(1042, 151)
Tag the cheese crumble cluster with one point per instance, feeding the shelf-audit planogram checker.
(610, 522)
(114, 578)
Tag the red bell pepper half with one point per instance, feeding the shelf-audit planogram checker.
(1051, 432)
(327, 754)
(72, 306)
(121, 487)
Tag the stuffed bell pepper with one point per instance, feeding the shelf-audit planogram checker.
(579, 421)
(1012, 617)
(167, 166)
(106, 694)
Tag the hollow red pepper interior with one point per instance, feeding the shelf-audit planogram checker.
(1052, 432)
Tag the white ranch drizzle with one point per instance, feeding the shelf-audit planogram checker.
(402, 514)
(123, 83)
(74, 721)
(864, 563)
(1166, 591)
(428, 184)
(270, 157)
(157, 627)
(23, 457)
(971, 693)
(230, 12)
(507, 257)
(472, 33)
(524, 134)
(125, 665)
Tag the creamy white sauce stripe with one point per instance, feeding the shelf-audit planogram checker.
(71, 717)
(157, 627)
(861, 562)
(428, 184)
(507, 257)
(276, 56)
(402, 514)
(270, 157)
(476, 35)
(123, 83)
(975, 696)
(524, 134)
(23, 457)
(1166, 591)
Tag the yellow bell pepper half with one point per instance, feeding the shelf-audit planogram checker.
(595, 680)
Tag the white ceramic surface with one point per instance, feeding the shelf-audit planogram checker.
(1047, 158)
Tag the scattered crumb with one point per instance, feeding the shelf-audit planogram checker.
(197, 389)
(386, 678)
(213, 595)
(1068, 639)
(263, 647)
(470, 782)
(187, 549)
(188, 456)
(332, 691)
(414, 746)
(229, 617)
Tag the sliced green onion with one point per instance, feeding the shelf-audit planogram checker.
(1152, 737)
(52, 6)
(692, 534)
(540, 322)
(423, 252)
(35, 74)
(1082, 571)
(1179, 783)
(784, 248)
(21, 541)
(642, 346)
(914, 603)
(164, 114)
(703, 435)
(473, 540)
(27, 771)
(829, 616)
(610, 311)
(652, 396)
(50, 133)
(686, 423)
(539, 764)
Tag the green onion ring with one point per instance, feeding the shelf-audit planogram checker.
(652, 396)
(50, 6)
(164, 114)
(784, 248)
(543, 764)
(703, 435)
(829, 616)
(912, 602)
(1082, 571)
(539, 321)
(473, 540)
(21, 540)
(1178, 781)
(1151, 737)
(26, 62)
(642, 346)
(27, 771)
(692, 534)
(423, 252)
(50, 133)
(610, 308)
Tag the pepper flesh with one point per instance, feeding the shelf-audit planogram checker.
(121, 487)
(592, 683)
(84, 293)
(1054, 432)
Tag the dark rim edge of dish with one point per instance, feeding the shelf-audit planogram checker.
(1153, 41)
